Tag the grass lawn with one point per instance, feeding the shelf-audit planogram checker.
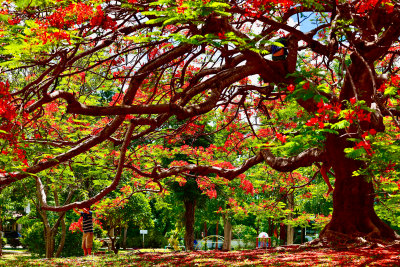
(290, 256)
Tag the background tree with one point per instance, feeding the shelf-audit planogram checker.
(117, 213)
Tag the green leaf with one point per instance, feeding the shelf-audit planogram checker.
(157, 20)
(171, 21)
(277, 44)
(354, 153)
(341, 124)
(218, 5)
(391, 90)
(323, 88)
(223, 13)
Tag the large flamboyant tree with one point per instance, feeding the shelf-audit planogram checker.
(82, 78)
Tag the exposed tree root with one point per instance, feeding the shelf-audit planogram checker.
(338, 240)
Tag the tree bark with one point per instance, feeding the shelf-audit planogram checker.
(113, 238)
(1, 232)
(63, 235)
(282, 234)
(125, 235)
(49, 236)
(227, 232)
(189, 224)
(290, 229)
(353, 201)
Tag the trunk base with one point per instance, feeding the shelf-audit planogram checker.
(344, 241)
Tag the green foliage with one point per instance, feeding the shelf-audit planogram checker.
(190, 191)
(33, 238)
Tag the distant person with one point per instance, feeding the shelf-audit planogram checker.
(87, 228)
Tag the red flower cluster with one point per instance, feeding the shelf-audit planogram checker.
(257, 7)
(281, 137)
(366, 144)
(357, 114)
(7, 110)
(70, 15)
(180, 9)
(76, 226)
(247, 186)
(211, 193)
(102, 20)
(365, 6)
(324, 113)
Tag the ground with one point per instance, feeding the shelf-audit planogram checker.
(289, 256)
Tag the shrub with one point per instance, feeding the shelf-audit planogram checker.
(33, 239)
(152, 240)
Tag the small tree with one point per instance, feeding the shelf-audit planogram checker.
(117, 213)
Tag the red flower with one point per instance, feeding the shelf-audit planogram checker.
(312, 121)
(291, 88)
(281, 137)
(306, 86)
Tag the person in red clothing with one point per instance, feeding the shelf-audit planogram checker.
(87, 227)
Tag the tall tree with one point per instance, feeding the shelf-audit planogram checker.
(129, 67)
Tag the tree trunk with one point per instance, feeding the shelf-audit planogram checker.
(353, 201)
(125, 235)
(290, 229)
(1, 232)
(113, 239)
(189, 224)
(49, 236)
(227, 232)
(63, 235)
(282, 234)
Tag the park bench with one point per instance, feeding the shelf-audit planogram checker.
(107, 241)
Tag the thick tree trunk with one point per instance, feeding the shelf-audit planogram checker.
(353, 201)
(49, 236)
(282, 234)
(189, 224)
(227, 232)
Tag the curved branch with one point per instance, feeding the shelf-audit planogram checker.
(201, 170)
(102, 193)
(8, 178)
(304, 159)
